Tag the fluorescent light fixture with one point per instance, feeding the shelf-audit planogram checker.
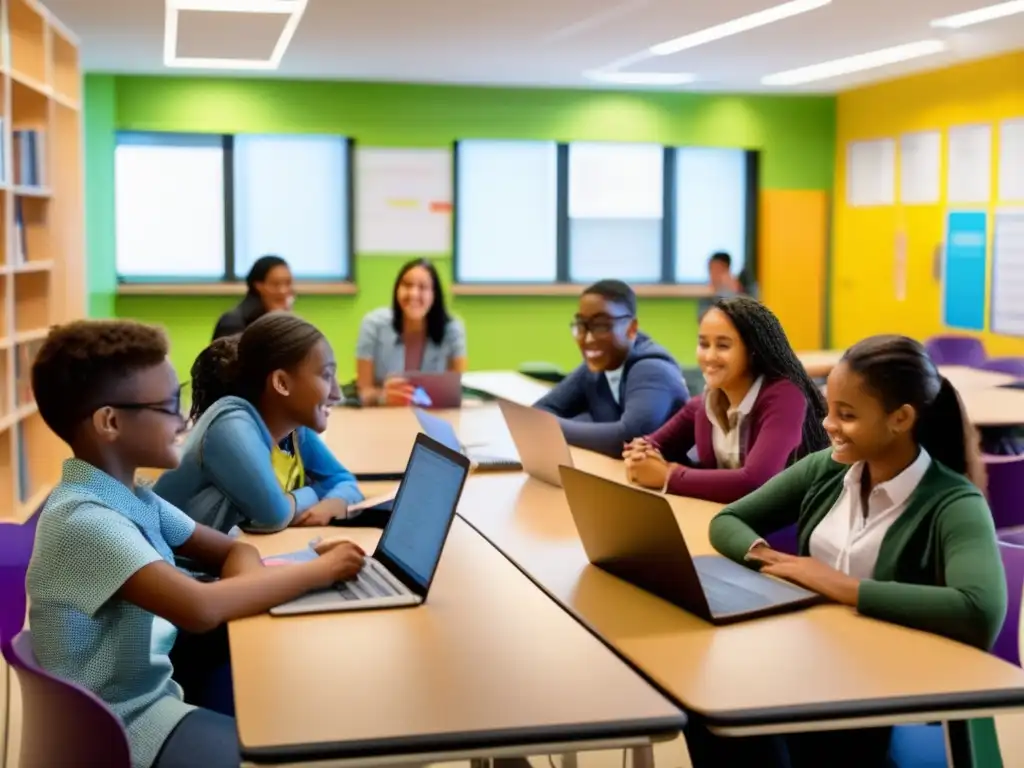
(293, 9)
(736, 26)
(980, 15)
(640, 78)
(858, 63)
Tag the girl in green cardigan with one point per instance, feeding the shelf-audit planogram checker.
(890, 520)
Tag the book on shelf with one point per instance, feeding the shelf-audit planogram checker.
(20, 243)
(24, 478)
(25, 355)
(29, 155)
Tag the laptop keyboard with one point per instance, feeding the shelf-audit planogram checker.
(728, 597)
(366, 586)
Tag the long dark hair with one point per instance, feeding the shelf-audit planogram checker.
(899, 372)
(252, 305)
(771, 356)
(239, 365)
(437, 315)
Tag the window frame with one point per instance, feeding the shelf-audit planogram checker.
(230, 281)
(562, 254)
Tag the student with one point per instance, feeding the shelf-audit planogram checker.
(269, 285)
(105, 598)
(253, 457)
(759, 411)
(720, 276)
(890, 520)
(627, 384)
(415, 333)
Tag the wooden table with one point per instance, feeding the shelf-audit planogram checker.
(488, 666)
(820, 362)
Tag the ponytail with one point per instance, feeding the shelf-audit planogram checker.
(214, 375)
(948, 435)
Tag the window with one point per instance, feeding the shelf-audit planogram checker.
(506, 211)
(616, 207)
(169, 203)
(291, 198)
(711, 210)
(541, 212)
(192, 208)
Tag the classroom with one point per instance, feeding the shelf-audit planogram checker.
(573, 385)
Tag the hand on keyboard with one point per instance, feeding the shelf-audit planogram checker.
(343, 559)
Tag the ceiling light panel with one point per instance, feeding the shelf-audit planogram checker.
(980, 15)
(737, 26)
(859, 63)
(229, 34)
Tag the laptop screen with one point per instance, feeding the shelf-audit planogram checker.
(422, 513)
(439, 429)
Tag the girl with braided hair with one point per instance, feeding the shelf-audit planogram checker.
(760, 411)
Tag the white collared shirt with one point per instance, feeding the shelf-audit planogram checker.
(846, 538)
(614, 381)
(728, 439)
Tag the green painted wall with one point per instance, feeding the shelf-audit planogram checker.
(795, 134)
(100, 119)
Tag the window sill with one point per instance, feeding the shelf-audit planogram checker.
(229, 289)
(575, 289)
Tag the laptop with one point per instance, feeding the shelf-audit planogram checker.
(436, 390)
(539, 441)
(402, 567)
(633, 534)
(444, 433)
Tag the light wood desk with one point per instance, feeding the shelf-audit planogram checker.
(820, 362)
(488, 666)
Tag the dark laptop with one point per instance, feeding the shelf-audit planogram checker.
(633, 534)
(437, 428)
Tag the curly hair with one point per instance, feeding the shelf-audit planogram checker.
(214, 374)
(437, 315)
(239, 365)
(772, 356)
(81, 366)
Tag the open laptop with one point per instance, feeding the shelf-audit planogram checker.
(402, 567)
(436, 390)
(633, 534)
(444, 433)
(539, 441)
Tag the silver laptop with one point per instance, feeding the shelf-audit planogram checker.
(539, 440)
(444, 433)
(633, 534)
(402, 567)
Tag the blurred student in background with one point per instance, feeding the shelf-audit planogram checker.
(269, 289)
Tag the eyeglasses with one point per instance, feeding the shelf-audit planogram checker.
(598, 326)
(169, 407)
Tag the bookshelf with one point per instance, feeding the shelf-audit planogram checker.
(42, 272)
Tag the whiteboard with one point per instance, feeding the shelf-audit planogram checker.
(403, 201)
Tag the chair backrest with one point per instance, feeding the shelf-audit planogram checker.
(15, 552)
(62, 723)
(784, 540)
(1007, 645)
(1005, 489)
(1012, 366)
(956, 350)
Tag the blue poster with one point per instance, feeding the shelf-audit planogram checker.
(963, 285)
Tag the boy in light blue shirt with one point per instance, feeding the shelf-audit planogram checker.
(106, 599)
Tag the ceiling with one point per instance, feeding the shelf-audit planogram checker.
(538, 42)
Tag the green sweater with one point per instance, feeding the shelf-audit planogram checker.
(938, 569)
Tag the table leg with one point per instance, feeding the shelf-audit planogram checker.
(958, 744)
(643, 757)
(480, 762)
(568, 760)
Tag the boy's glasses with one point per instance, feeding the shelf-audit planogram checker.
(169, 407)
(598, 326)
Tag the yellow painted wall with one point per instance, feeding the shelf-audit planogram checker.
(864, 248)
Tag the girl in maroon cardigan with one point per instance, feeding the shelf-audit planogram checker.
(759, 412)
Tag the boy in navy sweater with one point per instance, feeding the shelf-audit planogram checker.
(626, 385)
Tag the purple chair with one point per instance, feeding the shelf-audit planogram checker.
(784, 540)
(956, 350)
(15, 551)
(1005, 489)
(62, 723)
(1012, 366)
(1011, 548)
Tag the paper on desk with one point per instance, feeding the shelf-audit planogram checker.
(370, 503)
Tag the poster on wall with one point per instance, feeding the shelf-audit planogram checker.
(1008, 272)
(1011, 161)
(871, 172)
(920, 167)
(969, 164)
(403, 201)
(963, 270)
